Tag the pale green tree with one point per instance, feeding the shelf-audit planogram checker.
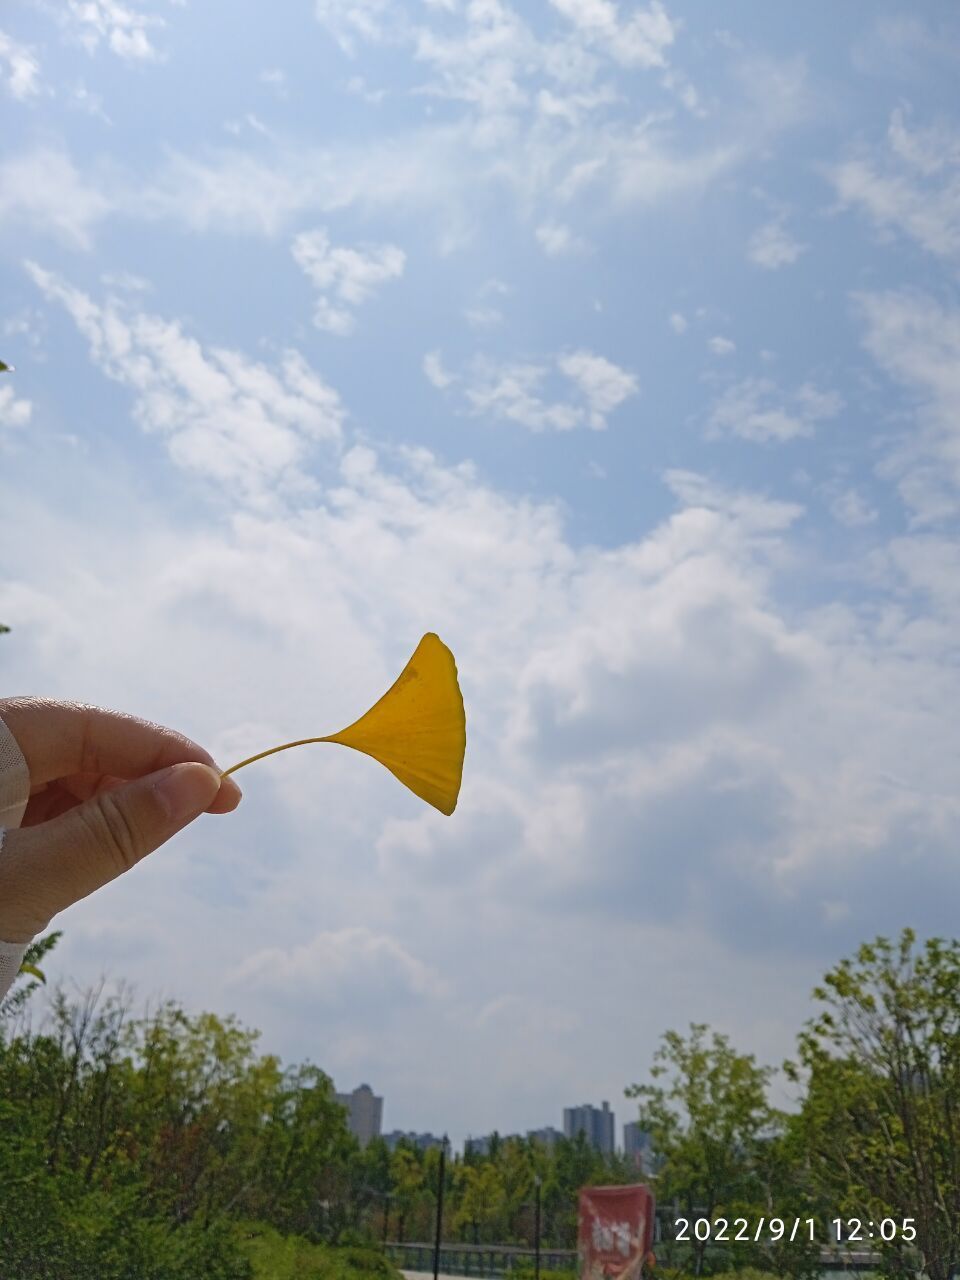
(880, 1121)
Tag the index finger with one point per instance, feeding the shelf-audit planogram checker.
(63, 738)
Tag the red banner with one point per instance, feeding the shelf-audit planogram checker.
(615, 1231)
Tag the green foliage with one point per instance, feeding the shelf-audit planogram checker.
(365, 1262)
(58, 1228)
(880, 1124)
(742, 1273)
(17, 998)
(723, 1152)
(482, 1200)
(277, 1257)
(707, 1122)
(165, 1145)
(129, 1144)
(528, 1272)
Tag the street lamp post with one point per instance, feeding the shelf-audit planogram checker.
(436, 1245)
(536, 1230)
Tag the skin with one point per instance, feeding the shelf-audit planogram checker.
(77, 755)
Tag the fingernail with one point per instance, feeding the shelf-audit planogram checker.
(186, 790)
(230, 788)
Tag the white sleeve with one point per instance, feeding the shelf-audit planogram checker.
(14, 794)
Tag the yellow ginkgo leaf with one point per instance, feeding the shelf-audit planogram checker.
(417, 730)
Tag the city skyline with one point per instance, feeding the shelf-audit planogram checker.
(365, 1121)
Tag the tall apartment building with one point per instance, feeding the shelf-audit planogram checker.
(364, 1113)
(637, 1147)
(546, 1137)
(595, 1122)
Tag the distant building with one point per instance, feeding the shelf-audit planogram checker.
(485, 1145)
(422, 1141)
(364, 1113)
(595, 1122)
(477, 1146)
(546, 1137)
(637, 1147)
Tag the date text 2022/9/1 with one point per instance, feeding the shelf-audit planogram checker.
(771, 1230)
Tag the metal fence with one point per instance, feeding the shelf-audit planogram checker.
(479, 1259)
(490, 1260)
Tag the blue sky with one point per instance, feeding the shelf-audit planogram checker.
(617, 344)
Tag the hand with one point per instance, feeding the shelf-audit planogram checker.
(106, 789)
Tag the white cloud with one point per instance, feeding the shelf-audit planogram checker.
(433, 368)
(14, 412)
(125, 31)
(912, 187)
(603, 383)
(351, 20)
(639, 41)
(772, 246)
(721, 346)
(351, 276)
(223, 417)
(653, 694)
(916, 341)
(344, 967)
(85, 100)
(249, 121)
(678, 322)
(850, 508)
(905, 46)
(19, 69)
(644, 168)
(483, 317)
(557, 239)
(530, 124)
(573, 107)
(483, 64)
(43, 190)
(358, 86)
(275, 78)
(755, 409)
(513, 391)
(440, 168)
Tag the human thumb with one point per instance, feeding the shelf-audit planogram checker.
(48, 867)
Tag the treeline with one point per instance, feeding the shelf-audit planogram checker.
(139, 1142)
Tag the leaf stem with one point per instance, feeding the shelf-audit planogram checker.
(273, 750)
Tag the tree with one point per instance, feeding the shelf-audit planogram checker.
(482, 1198)
(707, 1124)
(576, 1164)
(881, 1116)
(517, 1174)
(406, 1171)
